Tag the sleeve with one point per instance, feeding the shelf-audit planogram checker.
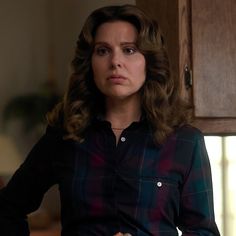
(196, 206)
(24, 192)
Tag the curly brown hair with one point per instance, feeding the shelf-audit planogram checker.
(160, 97)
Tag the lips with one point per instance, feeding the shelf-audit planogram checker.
(117, 79)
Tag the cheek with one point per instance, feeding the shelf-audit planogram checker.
(97, 72)
(94, 65)
(140, 70)
(96, 68)
(99, 68)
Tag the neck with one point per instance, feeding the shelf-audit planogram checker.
(121, 115)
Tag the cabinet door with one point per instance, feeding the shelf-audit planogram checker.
(200, 34)
(214, 58)
(173, 16)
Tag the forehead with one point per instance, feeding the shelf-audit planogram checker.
(117, 30)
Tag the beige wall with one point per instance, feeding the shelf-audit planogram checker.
(37, 40)
(69, 17)
(23, 47)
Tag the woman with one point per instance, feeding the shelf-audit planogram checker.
(119, 145)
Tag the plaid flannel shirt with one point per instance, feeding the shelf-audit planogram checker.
(133, 187)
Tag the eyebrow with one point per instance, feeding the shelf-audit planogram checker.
(106, 43)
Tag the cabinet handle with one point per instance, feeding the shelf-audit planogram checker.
(188, 80)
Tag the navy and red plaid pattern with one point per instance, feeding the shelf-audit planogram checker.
(133, 187)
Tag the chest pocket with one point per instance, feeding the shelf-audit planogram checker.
(158, 199)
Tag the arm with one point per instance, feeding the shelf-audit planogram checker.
(196, 207)
(24, 192)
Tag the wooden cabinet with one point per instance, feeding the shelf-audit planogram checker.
(201, 36)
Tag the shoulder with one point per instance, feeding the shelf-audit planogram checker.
(50, 137)
(54, 132)
(184, 138)
(188, 133)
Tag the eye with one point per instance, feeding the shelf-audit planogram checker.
(129, 50)
(101, 51)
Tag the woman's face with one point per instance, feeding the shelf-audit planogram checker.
(118, 66)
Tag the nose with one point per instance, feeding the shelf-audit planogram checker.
(116, 60)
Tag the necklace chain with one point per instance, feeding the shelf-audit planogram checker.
(115, 128)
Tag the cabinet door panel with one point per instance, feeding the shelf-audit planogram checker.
(214, 57)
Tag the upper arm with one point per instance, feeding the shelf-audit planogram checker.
(24, 192)
(196, 206)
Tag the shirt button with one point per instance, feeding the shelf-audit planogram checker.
(122, 139)
(159, 184)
